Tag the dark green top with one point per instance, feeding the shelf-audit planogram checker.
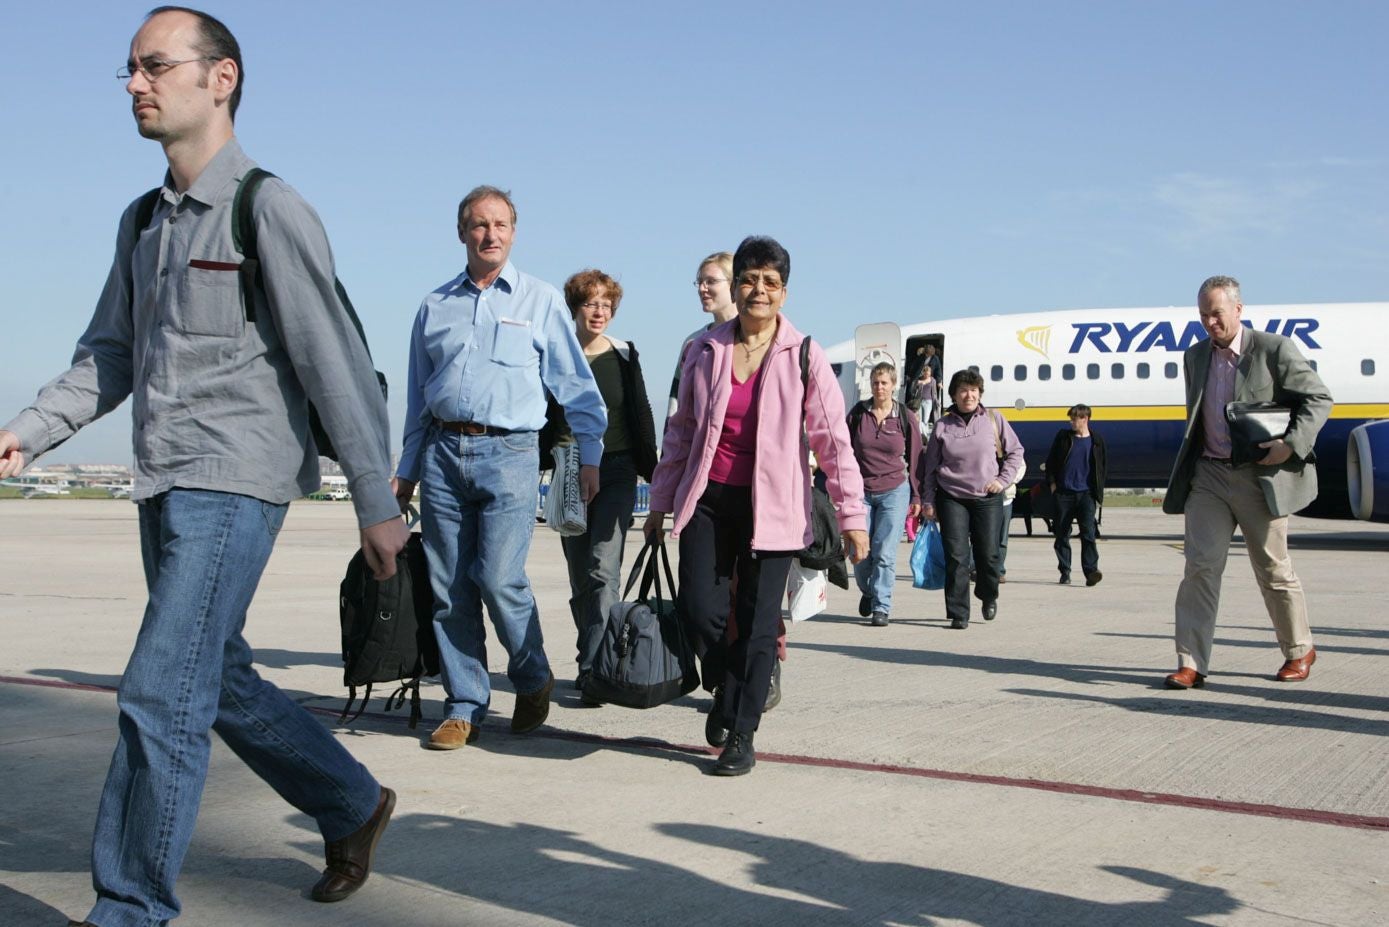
(618, 437)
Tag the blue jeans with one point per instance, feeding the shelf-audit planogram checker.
(190, 673)
(876, 573)
(1076, 507)
(477, 505)
(595, 557)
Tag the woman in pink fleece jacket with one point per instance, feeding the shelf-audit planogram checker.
(734, 472)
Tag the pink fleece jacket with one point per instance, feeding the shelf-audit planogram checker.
(781, 477)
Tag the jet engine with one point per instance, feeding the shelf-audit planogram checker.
(1367, 471)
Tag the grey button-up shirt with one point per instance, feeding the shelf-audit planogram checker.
(220, 403)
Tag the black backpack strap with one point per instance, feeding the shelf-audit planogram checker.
(805, 385)
(144, 213)
(244, 237)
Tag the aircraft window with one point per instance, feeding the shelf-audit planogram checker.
(1367, 367)
(973, 368)
(1116, 371)
(1068, 371)
(996, 372)
(1142, 372)
(837, 368)
(1020, 372)
(1044, 371)
(1092, 371)
(1170, 371)
(1313, 364)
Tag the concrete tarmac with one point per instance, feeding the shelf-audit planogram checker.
(1027, 771)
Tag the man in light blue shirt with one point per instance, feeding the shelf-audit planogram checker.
(485, 348)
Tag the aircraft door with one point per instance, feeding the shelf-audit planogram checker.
(873, 344)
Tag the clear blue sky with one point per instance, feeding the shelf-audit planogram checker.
(919, 160)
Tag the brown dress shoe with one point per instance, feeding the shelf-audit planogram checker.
(1185, 678)
(349, 859)
(532, 708)
(452, 734)
(1297, 670)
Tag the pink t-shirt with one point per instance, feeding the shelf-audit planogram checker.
(737, 448)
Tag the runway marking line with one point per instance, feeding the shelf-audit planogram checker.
(1280, 812)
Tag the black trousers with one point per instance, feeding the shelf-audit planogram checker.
(969, 525)
(1080, 508)
(715, 546)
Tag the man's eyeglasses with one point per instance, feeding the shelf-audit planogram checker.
(770, 282)
(710, 282)
(155, 68)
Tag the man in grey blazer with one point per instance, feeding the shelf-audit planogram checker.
(1216, 493)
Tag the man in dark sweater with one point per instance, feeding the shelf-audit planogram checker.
(1075, 474)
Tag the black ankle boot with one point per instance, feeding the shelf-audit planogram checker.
(738, 757)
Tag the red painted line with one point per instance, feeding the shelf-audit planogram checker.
(1280, 812)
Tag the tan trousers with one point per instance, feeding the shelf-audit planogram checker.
(1221, 498)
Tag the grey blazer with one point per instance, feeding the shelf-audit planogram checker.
(1270, 369)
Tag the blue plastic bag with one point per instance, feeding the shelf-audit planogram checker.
(928, 558)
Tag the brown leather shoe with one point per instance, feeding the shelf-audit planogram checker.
(1185, 678)
(452, 734)
(1298, 670)
(532, 708)
(349, 859)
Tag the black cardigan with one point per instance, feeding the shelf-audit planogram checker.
(634, 402)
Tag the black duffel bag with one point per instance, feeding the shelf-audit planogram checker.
(645, 659)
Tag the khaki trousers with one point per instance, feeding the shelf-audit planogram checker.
(1221, 498)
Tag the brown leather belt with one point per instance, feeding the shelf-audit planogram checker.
(471, 428)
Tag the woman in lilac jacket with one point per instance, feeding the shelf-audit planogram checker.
(972, 458)
(734, 472)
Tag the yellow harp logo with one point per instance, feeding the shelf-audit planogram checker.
(1037, 338)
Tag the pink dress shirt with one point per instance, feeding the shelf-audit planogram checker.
(1219, 392)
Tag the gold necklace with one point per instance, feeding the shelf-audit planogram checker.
(749, 348)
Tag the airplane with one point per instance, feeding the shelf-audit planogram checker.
(1126, 364)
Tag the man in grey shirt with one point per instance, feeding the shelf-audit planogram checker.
(222, 444)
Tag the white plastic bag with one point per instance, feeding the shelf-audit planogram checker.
(807, 592)
(564, 502)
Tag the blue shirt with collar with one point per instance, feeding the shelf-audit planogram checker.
(488, 356)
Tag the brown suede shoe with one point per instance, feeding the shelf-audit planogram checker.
(1185, 678)
(349, 859)
(532, 708)
(1298, 670)
(452, 734)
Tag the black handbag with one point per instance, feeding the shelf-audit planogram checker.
(645, 659)
(1252, 424)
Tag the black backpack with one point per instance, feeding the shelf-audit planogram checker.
(244, 240)
(826, 551)
(388, 630)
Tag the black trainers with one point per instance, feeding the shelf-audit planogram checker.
(738, 758)
(865, 606)
(879, 620)
(1065, 579)
(774, 693)
(1093, 579)
(715, 734)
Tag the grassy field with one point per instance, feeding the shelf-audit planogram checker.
(9, 492)
(1150, 500)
